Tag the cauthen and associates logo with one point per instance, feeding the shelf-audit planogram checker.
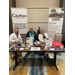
(19, 16)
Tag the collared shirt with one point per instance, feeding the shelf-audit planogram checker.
(16, 35)
(13, 37)
(32, 35)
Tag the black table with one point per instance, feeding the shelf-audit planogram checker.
(41, 50)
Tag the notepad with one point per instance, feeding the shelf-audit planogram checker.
(52, 49)
(35, 48)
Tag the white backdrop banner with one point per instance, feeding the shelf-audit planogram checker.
(19, 19)
(55, 21)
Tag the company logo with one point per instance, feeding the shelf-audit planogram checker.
(18, 15)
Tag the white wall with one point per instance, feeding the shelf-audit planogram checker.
(37, 15)
(37, 3)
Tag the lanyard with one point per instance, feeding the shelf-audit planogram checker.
(31, 35)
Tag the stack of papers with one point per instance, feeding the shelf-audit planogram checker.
(52, 48)
(48, 41)
(35, 48)
(29, 40)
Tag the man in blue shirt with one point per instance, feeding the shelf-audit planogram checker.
(32, 33)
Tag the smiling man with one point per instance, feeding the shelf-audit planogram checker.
(15, 37)
(32, 33)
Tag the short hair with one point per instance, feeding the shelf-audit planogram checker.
(41, 29)
(31, 27)
(16, 28)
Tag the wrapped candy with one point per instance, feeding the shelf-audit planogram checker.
(16, 48)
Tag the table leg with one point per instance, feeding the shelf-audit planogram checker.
(55, 61)
(15, 61)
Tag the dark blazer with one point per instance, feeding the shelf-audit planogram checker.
(35, 35)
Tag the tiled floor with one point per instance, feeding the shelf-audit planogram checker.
(34, 64)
